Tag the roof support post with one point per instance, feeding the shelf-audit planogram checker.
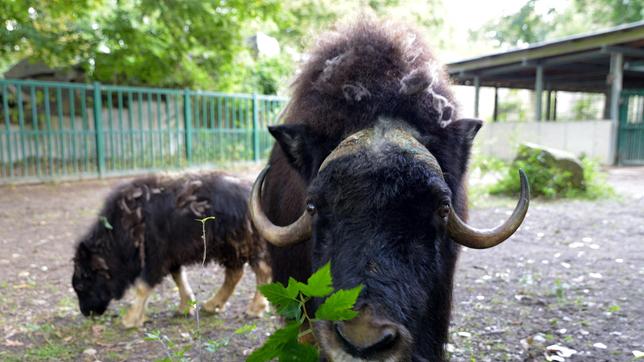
(495, 115)
(548, 104)
(477, 89)
(615, 80)
(538, 93)
(554, 108)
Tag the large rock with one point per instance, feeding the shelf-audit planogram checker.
(556, 158)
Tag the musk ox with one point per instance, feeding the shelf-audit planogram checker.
(368, 173)
(149, 228)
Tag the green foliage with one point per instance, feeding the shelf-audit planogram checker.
(587, 107)
(148, 42)
(548, 181)
(290, 302)
(532, 23)
(213, 346)
(511, 107)
(169, 43)
(173, 351)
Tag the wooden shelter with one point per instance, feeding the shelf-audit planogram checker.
(609, 62)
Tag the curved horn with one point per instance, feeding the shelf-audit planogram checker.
(298, 231)
(474, 238)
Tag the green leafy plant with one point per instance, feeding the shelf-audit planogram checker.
(290, 302)
(549, 181)
(173, 351)
(215, 345)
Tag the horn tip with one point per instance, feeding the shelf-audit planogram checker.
(525, 184)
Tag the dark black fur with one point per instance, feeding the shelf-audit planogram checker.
(376, 220)
(159, 213)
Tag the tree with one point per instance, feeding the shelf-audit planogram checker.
(146, 42)
(531, 25)
(181, 43)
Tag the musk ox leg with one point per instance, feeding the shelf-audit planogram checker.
(186, 296)
(217, 302)
(262, 276)
(135, 316)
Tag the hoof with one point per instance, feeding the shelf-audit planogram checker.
(214, 308)
(133, 322)
(256, 311)
(186, 310)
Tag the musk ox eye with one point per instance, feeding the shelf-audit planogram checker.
(310, 208)
(443, 210)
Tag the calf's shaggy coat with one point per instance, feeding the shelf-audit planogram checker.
(149, 228)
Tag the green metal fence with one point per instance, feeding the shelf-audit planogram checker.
(56, 130)
(630, 137)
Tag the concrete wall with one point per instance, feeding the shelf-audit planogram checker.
(592, 138)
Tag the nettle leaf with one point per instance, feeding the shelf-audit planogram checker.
(319, 284)
(338, 306)
(275, 345)
(277, 295)
(299, 352)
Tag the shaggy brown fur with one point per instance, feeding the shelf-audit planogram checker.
(355, 77)
(148, 228)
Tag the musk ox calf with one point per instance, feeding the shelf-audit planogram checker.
(149, 228)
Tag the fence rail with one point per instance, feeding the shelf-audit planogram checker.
(69, 130)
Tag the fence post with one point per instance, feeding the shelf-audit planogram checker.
(256, 155)
(187, 122)
(98, 128)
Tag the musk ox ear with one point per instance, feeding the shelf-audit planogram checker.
(467, 128)
(98, 263)
(298, 143)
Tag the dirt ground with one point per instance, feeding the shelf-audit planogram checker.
(572, 277)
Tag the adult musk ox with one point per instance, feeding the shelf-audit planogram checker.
(369, 173)
(148, 228)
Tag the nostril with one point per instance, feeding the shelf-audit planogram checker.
(388, 337)
(365, 344)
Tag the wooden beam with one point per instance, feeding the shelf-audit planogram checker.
(627, 51)
(551, 49)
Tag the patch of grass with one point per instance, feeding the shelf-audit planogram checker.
(7, 356)
(50, 351)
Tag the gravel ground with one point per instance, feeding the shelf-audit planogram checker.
(571, 277)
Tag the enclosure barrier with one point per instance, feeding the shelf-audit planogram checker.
(630, 138)
(55, 130)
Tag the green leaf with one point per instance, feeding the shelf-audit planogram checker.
(319, 284)
(298, 352)
(105, 222)
(276, 343)
(277, 295)
(245, 329)
(338, 306)
(292, 311)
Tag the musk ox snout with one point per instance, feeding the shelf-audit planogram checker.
(370, 336)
